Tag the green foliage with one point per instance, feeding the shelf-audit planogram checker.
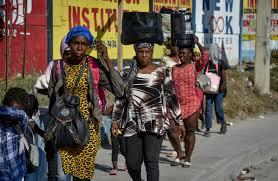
(27, 84)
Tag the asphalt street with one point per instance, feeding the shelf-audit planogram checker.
(220, 157)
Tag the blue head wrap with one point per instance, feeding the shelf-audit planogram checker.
(79, 31)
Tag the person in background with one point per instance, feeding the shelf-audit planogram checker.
(184, 80)
(200, 63)
(37, 127)
(13, 161)
(173, 132)
(142, 112)
(216, 66)
(171, 59)
(118, 145)
(55, 170)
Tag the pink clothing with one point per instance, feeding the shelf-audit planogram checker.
(201, 62)
(184, 80)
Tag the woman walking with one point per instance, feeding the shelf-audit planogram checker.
(79, 162)
(184, 79)
(216, 66)
(142, 113)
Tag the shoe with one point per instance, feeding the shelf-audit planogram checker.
(172, 154)
(176, 162)
(223, 128)
(207, 133)
(114, 172)
(186, 164)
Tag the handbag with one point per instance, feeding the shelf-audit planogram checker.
(27, 143)
(67, 127)
(141, 27)
(32, 155)
(203, 82)
(215, 82)
(182, 29)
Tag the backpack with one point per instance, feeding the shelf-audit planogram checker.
(67, 127)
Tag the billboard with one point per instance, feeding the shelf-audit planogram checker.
(248, 30)
(36, 36)
(100, 16)
(171, 4)
(218, 21)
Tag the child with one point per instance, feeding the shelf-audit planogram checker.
(13, 160)
(37, 132)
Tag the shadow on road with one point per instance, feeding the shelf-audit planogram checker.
(103, 168)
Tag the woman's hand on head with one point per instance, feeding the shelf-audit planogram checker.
(196, 39)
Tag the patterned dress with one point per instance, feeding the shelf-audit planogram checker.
(146, 108)
(184, 80)
(80, 162)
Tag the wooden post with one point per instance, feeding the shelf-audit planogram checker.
(6, 45)
(24, 38)
(120, 46)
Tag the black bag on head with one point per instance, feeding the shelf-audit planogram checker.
(141, 27)
(181, 30)
(67, 127)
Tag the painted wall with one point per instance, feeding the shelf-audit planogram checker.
(100, 16)
(36, 50)
(219, 21)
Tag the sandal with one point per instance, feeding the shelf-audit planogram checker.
(186, 164)
(114, 172)
(172, 154)
(176, 162)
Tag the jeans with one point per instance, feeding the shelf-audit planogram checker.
(41, 173)
(143, 147)
(217, 100)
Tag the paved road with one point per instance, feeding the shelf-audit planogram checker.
(219, 157)
(267, 170)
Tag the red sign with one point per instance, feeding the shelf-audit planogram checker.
(36, 36)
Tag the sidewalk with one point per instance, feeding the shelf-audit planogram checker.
(219, 157)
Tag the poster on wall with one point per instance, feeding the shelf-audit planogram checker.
(172, 4)
(36, 36)
(217, 21)
(248, 30)
(274, 25)
(100, 16)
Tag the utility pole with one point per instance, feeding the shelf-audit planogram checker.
(24, 38)
(120, 46)
(262, 62)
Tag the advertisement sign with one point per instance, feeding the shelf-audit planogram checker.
(218, 21)
(36, 36)
(172, 4)
(100, 16)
